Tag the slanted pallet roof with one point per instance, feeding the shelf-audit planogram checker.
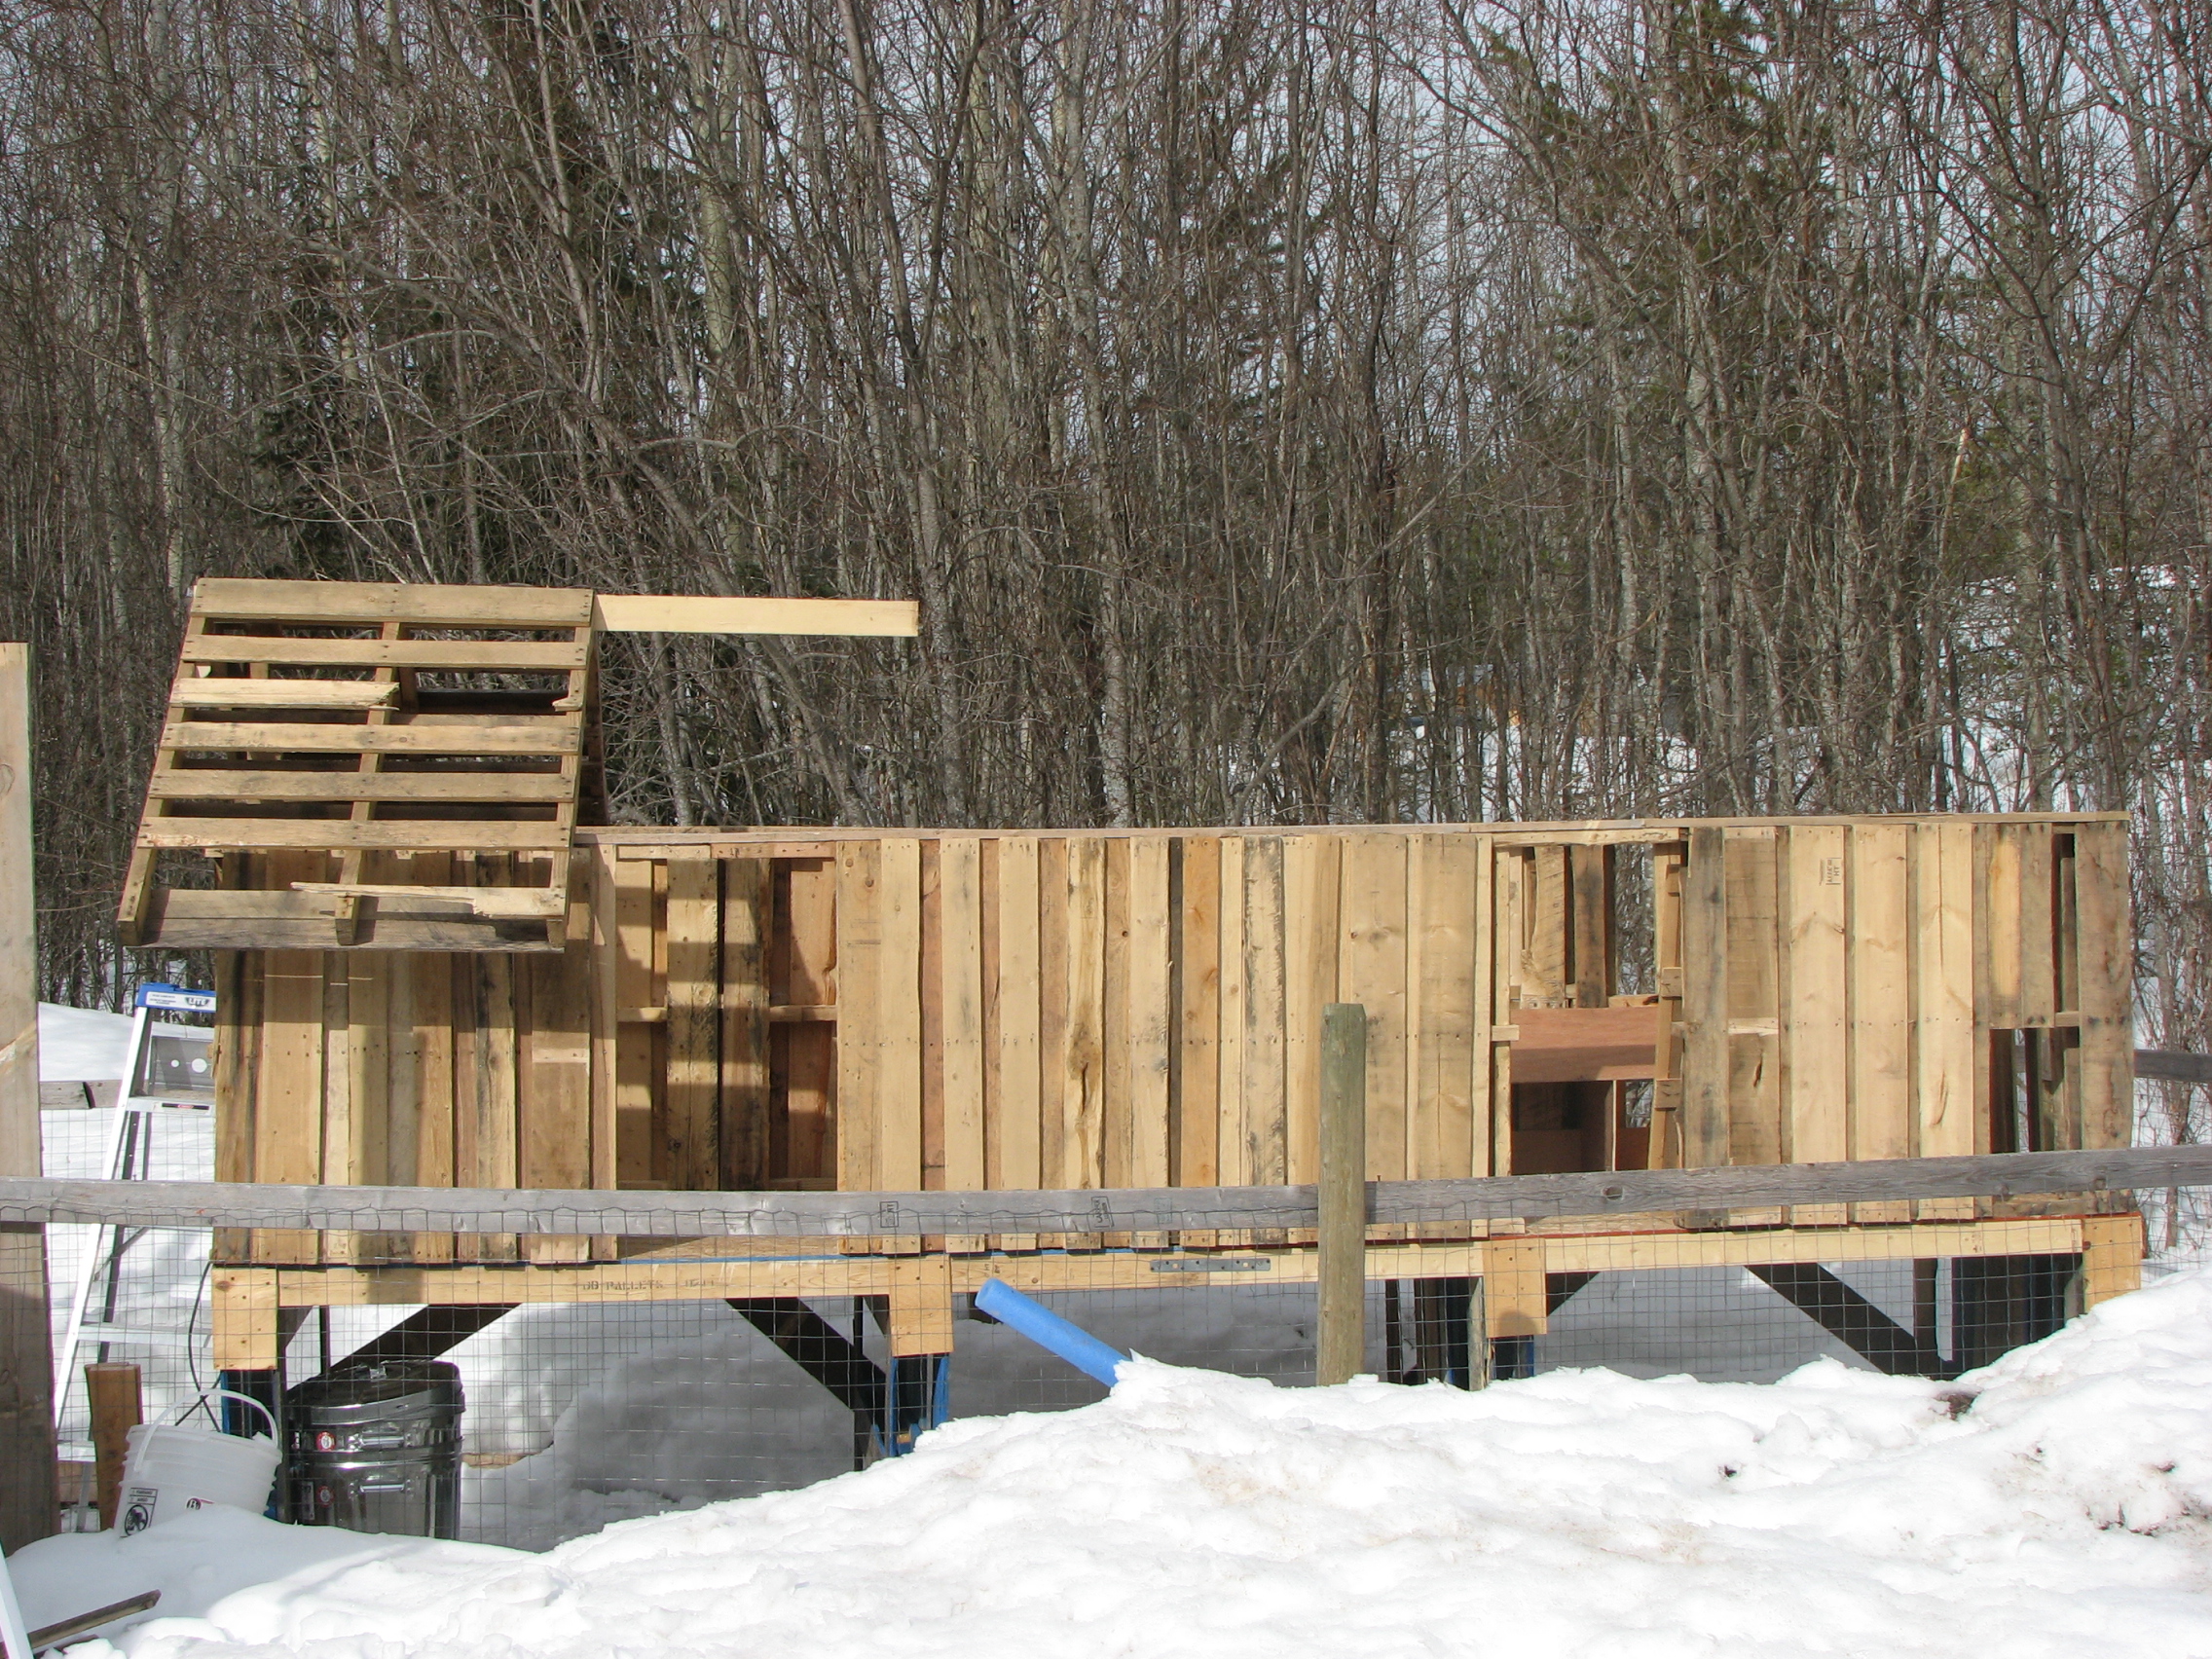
(392, 765)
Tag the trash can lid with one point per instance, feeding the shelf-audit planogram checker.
(369, 1394)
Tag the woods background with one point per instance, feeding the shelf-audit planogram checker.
(1285, 411)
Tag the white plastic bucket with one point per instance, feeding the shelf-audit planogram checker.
(172, 1467)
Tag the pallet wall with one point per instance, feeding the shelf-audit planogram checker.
(894, 1011)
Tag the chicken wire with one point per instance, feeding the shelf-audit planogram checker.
(583, 1413)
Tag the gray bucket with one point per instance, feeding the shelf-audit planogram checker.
(377, 1448)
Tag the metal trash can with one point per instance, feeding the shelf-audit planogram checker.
(377, 1448)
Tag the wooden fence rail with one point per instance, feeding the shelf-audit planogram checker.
(857, 1215)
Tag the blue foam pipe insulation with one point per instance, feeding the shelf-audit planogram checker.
(1050, 1332)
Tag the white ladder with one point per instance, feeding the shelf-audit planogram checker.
(170, 1065)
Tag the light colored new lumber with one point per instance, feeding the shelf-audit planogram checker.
(921, 1308)
(193, 692)
(1514, 1301)
(1231, 1149)
(1880, 943)
(423, 735)
(1312, 932)
(431, 604)
(1996, 992)
(2106, 972)
(1943, 996)
(897, 1016)
(1754, 1095)
(1266, 1130)
(1151, 1020)
(1116, 1120)
(1083, 1075)
(1372, 973)
(634, 941)
(483, 901)
(960, 966)
(684, 613)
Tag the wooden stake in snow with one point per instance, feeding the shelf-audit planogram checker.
(1343, 1240)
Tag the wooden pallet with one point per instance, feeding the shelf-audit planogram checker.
(371, 765)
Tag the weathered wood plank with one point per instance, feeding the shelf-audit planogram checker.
(1151, 1017)
(1943, 990)
(315, 833)
(1705, 1001)
(557, 735)
(1083, 1035)
(212, 782)
(437, 604)
(1196, 1142)
(1014, 1152)
(658, 1214)
(2106, 971)
(1755, 1094)
(747, 921)
(1879, 895)
(1233, 1146)
(1371, 972)
(860, 951)
(1312, 935)
(693, 931)
(513, 655)
(960, 965)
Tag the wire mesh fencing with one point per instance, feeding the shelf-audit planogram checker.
(605, 1374)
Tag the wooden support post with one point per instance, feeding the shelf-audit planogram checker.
(2111, 1257)
(921, 1306)
(1343, 1240)
(28, 1499)
(113, 1390)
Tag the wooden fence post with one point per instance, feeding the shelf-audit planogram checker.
(1343, 1240)
(28, 1500)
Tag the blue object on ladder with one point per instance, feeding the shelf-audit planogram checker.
(1048, 1330)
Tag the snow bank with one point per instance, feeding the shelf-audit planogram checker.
(2054, 1504)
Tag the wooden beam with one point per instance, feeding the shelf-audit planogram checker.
(28, 1494)
(430, 604)
(1527, 1261)
(1342, 1344)
(715, 613)
(860, 1213)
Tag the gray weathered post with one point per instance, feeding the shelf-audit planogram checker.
(1343, 1241)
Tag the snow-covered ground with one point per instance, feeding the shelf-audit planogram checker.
(2056, 1503)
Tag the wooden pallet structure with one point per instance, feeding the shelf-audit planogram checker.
(436, 971)
(395, 767)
